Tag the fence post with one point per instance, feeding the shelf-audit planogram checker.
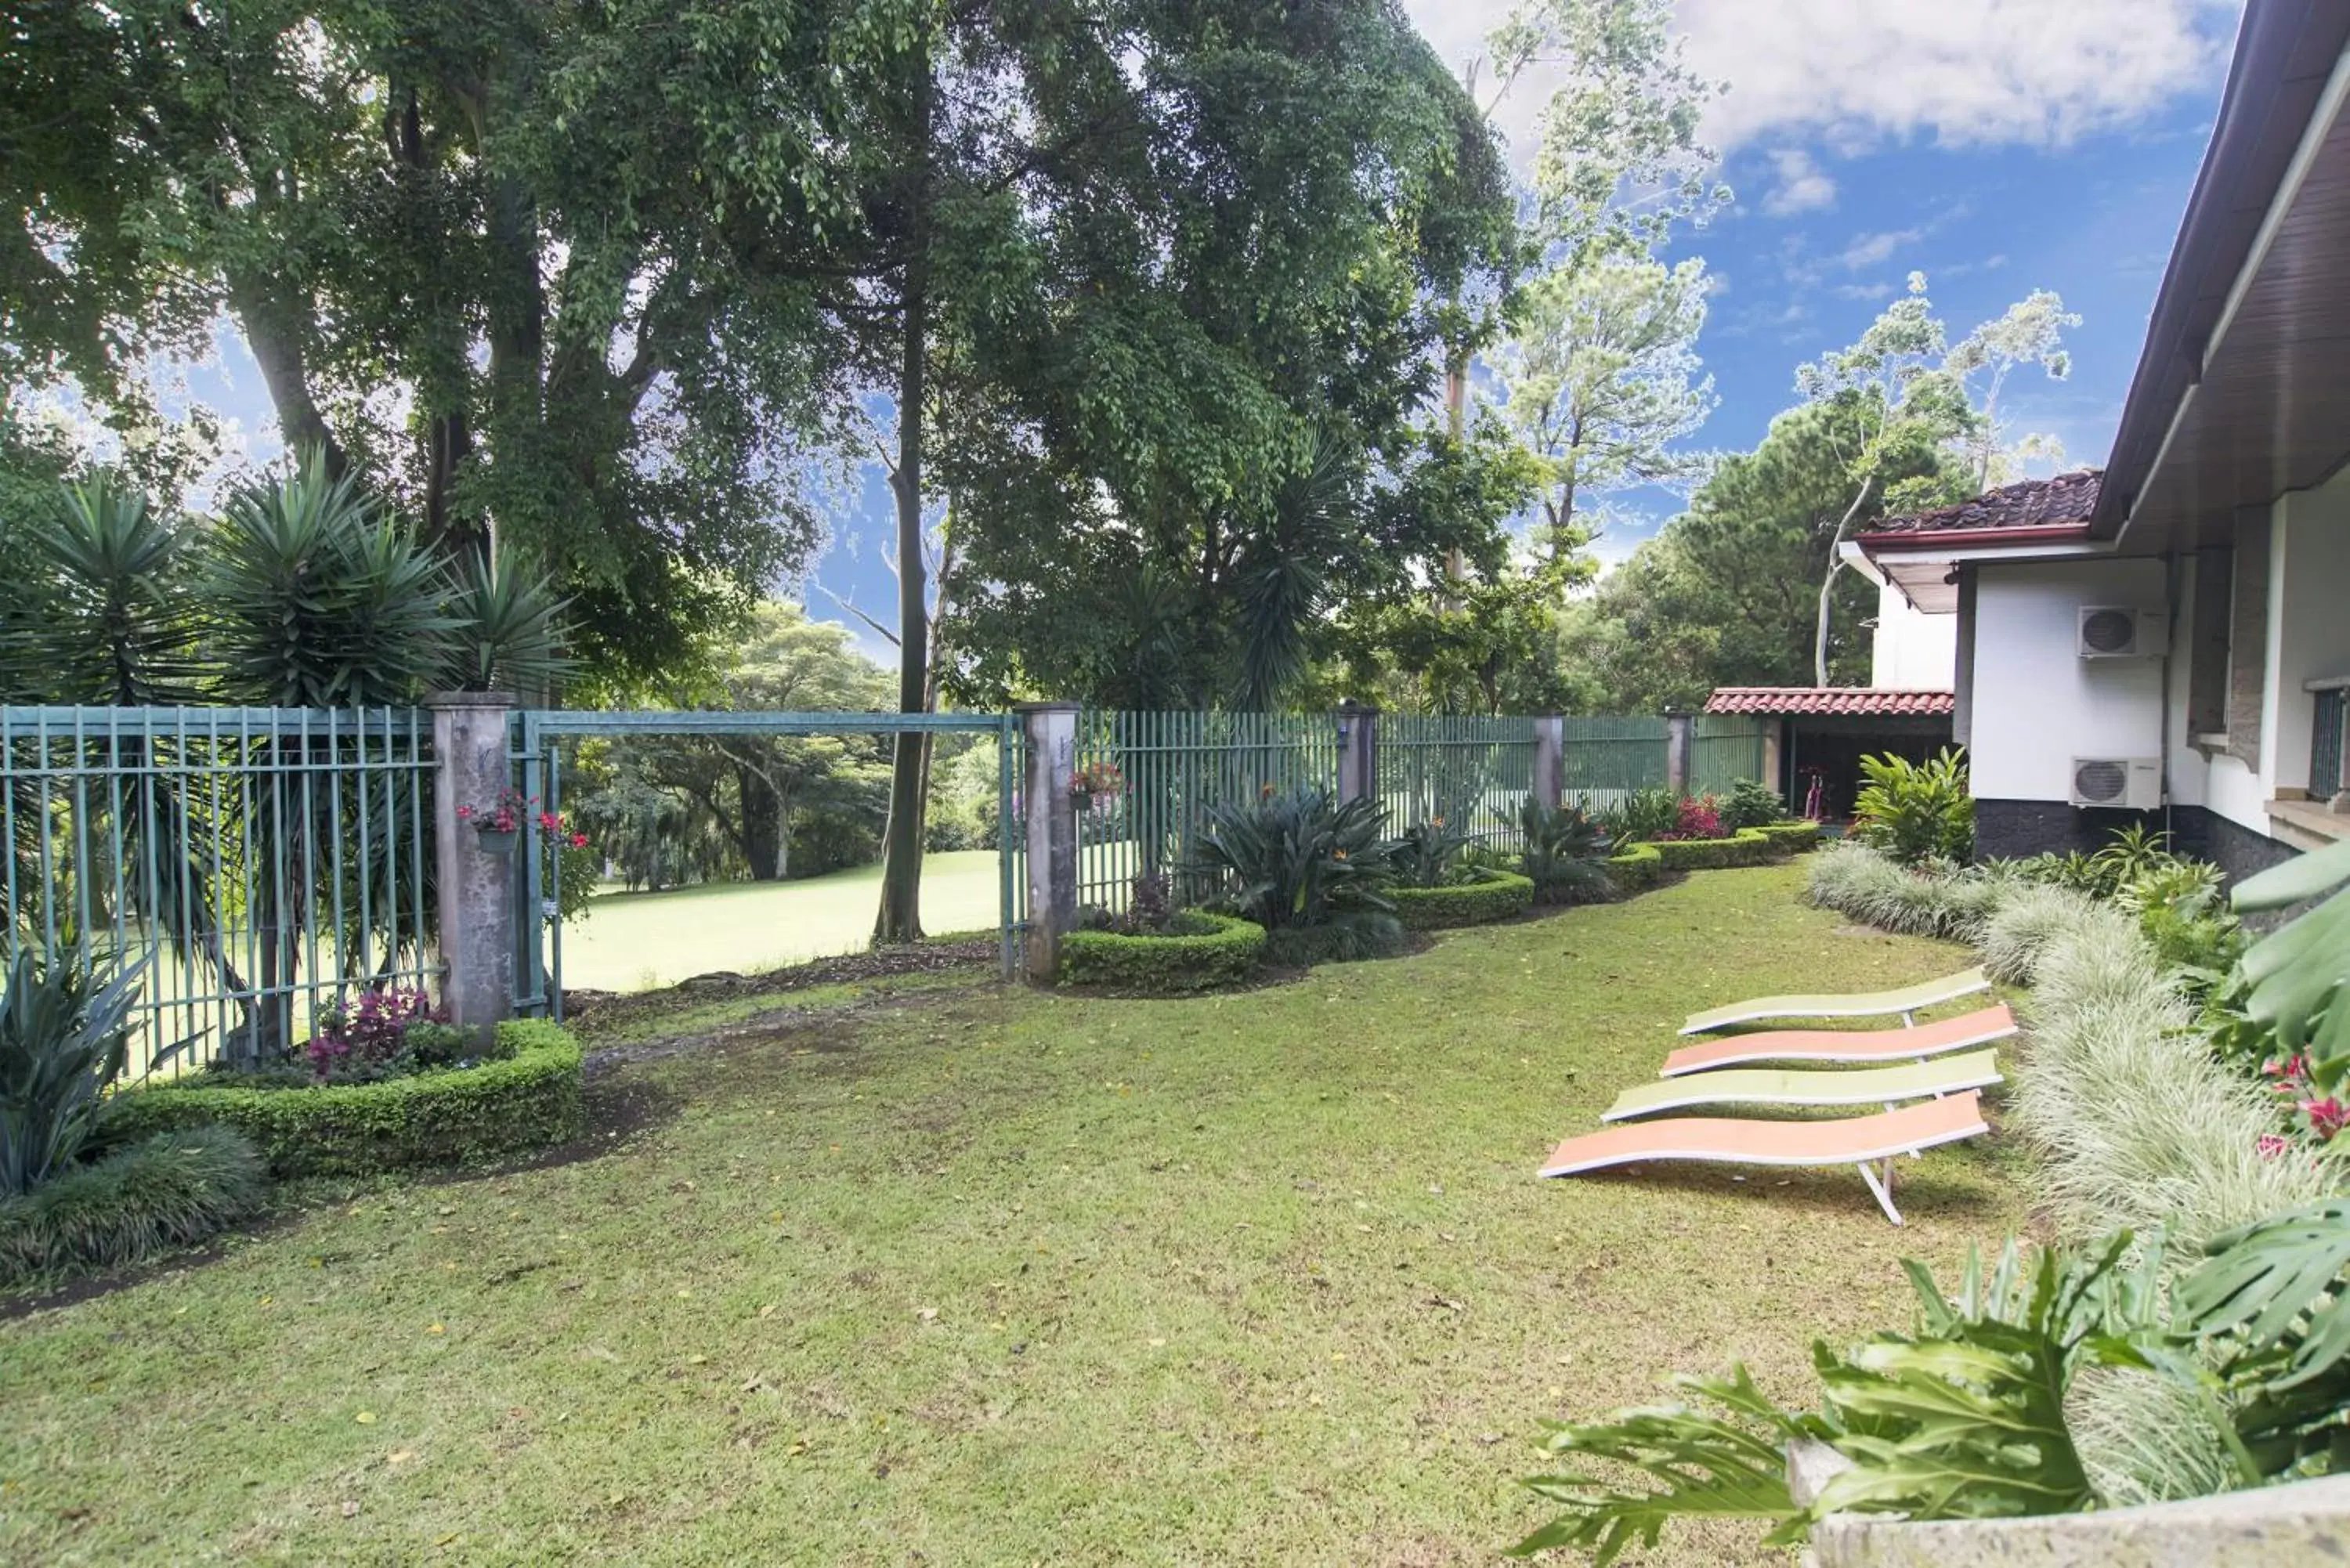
(1358, 752)
(1052, 818)
(1550, 761)
(1771, 760)
(476, 886)
(1680, 751)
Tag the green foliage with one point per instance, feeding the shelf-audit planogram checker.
(110, 619)
(1643, 815)
(2296, 980)
(1347, 937)
(1748, 846)
(1932, 900)
(1965, 1417)
(1917, 811)
(1751, 805)
(169, 1190)
(1199, 952)
(1298, 859)
(1636, 866)
(2272, 1293)
(508, 631)
(1483, 896)
(1430, 854)
(1565, 855)
(523, 1101)
(64, 1033)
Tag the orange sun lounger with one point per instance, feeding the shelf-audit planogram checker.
(1860, 1142)
(1925, 1040)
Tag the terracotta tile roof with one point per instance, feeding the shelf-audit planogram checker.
(2064, 501)
(1837, 702)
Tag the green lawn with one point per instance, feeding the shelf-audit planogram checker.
(958, 1275)
(637, 941)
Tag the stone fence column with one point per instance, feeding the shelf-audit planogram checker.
(1550, 762)
(1680, 750)
(1358, 752)
(476, 879)
(1051, 819)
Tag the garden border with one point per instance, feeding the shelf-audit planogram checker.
(517, 1105)
(1495, 895)
(1170, 965)
(1644, 863)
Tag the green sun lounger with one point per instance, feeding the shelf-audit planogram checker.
(1908, 1000)
(1797, 1086)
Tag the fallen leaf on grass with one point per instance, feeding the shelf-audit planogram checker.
(365, 1417)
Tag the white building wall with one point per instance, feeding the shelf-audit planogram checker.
(2309, 622)
(2037, 704)
(1912, 652)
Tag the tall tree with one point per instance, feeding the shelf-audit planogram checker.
(463, 267)
(1598, 381)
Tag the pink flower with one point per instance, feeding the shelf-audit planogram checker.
(2326, 1117)
(2272, 1144)
(579, 841)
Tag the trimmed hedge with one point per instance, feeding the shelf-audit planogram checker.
(172, 1190)
(1637, 868)
(1493, 896)
(512, 1106)
(1747, 846)
(1228, 955)
(1792, 838)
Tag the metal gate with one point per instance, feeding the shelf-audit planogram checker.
(536, 744)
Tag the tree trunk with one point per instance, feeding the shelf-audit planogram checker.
(1827, 587)
(900, 917)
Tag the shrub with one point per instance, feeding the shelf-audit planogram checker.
(169, 1190)
(1697, 816)
(1855, 880)
(1299, 860)
(1429, 854)
(1486, 897)
(1565, 855)
(1750, 804)
(1913, 811)
(1750, 847)
(1642, 816)
(525, 1101)
(1199, 952)
(1343, 938)
(2028, 921)
(65, 1032)
(2138, 1124)
(1639, 865)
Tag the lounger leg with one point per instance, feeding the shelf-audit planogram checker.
(1882, 1190)
(1908, 1021)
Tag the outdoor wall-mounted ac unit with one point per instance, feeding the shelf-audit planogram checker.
(2132, 783)
(2121, 631)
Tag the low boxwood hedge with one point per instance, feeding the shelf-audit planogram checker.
(1638, 867)
(521, 1102)
(1226, 953)
(1494, 895)
(1747, 846)
(1792, 837)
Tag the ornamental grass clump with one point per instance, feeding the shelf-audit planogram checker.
(1935, 900)
(2028, 921)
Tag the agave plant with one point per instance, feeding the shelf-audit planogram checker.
(1298, 859)
(65, 1034)
(507, 627)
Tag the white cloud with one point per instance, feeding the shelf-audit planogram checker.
(1803, 185)
(1856, 72)
(1873, 250)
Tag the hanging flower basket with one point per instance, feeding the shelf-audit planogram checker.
(499, 825)
(498, 842)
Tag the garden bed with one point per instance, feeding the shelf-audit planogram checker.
(1203, 953)
(1641, 864)
(517, 1104)
(1489, 896)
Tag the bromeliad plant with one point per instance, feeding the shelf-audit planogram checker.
(1299, 860)
(65, 1032)
(1565, 855)
(1433, 854)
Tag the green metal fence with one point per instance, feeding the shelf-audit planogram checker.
(262, 864)
(1604, 759)
(1172, 769)
(1475, 772)
(1725, 749)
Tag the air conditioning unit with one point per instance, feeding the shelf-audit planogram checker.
(2132, 783)
(2121, 631)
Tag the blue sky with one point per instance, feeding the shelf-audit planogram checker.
(1997, 145)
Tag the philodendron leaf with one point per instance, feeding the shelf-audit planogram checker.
(2279, 1282)
(2304, 876)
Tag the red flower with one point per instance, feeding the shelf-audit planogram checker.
(2272, 1144)
(579, 841)
(2326, 1117)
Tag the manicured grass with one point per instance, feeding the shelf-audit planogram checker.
(637, 941)
(986, 1276)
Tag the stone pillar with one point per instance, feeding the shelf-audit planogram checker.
(1358, 752)
(1680, 750)
(1550, 762)
(476, 886)
(1051, 816)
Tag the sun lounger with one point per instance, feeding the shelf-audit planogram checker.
(1979, 1028)
(1858, 1141)
(1906, 1000)
(1885, 1086)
